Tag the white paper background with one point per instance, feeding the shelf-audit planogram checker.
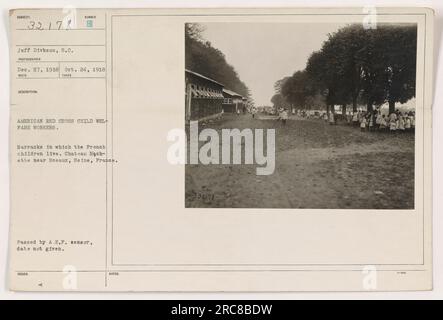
(5, 5)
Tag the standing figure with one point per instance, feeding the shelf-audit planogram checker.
(408, 123)
(363, 124)
(378, 120)
(401, 124)
(253, 111)
(284, 116)
(331, 118)
(355, 119)
(383, 124)
(392, 125)
(371, 122)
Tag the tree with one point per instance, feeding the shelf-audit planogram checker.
(297, 89)
(279, 84)
(321, 70)
(278, 100)
(201, 57)
(400, 64)
(344, 46)
(335, 69)
(376, 65)
(373, 77)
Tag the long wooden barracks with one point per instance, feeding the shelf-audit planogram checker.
(206, 98)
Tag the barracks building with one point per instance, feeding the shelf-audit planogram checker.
(206, 98)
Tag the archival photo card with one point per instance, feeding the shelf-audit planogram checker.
(215, 150)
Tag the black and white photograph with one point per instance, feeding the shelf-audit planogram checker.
(304, 116)
(228, 152)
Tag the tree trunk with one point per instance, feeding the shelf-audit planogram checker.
(391, 107)
(370, 107)
(343, 109)
(354, 104)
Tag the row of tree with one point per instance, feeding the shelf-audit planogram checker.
(203, 58)
(356, 66)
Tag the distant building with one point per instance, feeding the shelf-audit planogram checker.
(232, 101)
(203, 97)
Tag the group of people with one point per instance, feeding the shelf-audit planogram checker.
(376, 121)
(367, 121)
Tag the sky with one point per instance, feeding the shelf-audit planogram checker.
(263, 53)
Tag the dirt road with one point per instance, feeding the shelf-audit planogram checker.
(317, 166)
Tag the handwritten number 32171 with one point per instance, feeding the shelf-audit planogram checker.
(38, 25)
